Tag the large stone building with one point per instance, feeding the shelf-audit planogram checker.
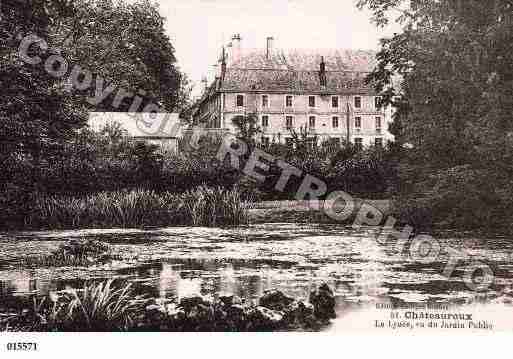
(322, 91)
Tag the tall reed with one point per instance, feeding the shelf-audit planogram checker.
(96, 307)
(203, 206)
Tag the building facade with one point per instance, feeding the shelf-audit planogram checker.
(322, 92)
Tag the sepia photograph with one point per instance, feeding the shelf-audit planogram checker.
(295, 166)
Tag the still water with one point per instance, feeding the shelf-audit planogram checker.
(246, 261)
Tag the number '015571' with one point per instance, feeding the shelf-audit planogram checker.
(22, 347)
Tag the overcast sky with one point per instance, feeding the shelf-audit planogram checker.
(198, 28)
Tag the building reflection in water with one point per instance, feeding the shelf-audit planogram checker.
(211, 277)
(214, 279)
(168, 281)
(185, 277)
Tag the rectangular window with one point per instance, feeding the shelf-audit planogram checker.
(265, 141)
(358, 122)
(311, 101)
(265, 121)
(311, 121)
(336, 142)
(377, 102)
(265, 101)
(378, 123)
(335, 122)
(289, 122)
(240, 101)
(357, 102)
(358, 142)
(288, 101)
(378, 142)
(334, 102)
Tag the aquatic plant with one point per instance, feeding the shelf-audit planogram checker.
(102, 307)
(71, 254)
(138, 208)
(95, 307)
(109, 307)
(214, 206)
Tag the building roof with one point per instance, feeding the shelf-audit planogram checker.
(297, 70)
(291, 81)
(139, 125)
(307, 60)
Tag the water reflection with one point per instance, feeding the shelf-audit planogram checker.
(177, 262)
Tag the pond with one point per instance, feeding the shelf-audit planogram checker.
(246, 261)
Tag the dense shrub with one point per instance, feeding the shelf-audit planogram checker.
(461, 198)
(75, 185)
(366, 173)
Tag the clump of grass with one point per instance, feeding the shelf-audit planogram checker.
(214, 207)
(96, 307)
(139, 208)
(71, 254)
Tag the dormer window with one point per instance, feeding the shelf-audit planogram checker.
(239, 101)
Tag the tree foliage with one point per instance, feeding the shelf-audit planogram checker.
(124, 43)
(454, 104)
(43, 144)
(36, 115)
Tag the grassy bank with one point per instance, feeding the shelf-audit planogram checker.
(309, 211)
(139, 208)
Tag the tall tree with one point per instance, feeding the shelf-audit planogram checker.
(36, 115)
(125, 44)
(454, 105)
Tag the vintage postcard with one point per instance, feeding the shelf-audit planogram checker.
(342, 167)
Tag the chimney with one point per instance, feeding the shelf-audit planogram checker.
(270, 48)
(223, 64)
(236, 48)
(322, 73)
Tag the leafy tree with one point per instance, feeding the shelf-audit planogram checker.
(36, 115)
(454, 104)
(125, 44)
